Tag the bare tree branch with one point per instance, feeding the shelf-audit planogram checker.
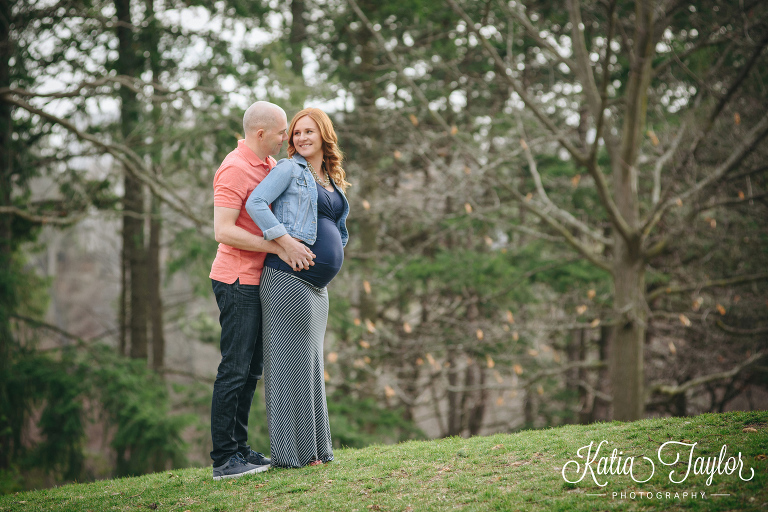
(745, 69)
(662, 161)
(705, 379)
(702, 43)
(132, 161)
(591, 255)
(588, 365)
(583, 68)
(755, 135)
(740, 332)
(520, 16)
(506, 72)
(58, 220)
(559, 212)
(602, 187)
(747, 173)
(134, 84)
(605, 397)
(396, 62)
(728, 202)
(669, 290)
(602, 122)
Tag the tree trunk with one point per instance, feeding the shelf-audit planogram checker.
(369, 224)
(122, 314)
(152, 41)
(629, 265)
(576, 351)
(455, 398)
(297, 36)
(530, 407)
(601, 410)
(155, 280)
(7, 301)
(477, 411)
(134, 250)
(627, 353)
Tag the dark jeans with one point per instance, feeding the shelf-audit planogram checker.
(239, 369)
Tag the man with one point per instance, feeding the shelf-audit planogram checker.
(235, 276)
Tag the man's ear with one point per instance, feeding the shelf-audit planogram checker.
(260, 133)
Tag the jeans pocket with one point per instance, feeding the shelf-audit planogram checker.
(247, 297)
(220, 291)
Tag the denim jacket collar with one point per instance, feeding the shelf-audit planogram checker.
(299, 159)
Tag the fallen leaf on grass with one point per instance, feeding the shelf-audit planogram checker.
(749, 430)
(760, 457)
(497, 447)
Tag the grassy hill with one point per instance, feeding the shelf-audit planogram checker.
(521, 471)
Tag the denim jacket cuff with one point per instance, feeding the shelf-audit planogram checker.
(275, 232)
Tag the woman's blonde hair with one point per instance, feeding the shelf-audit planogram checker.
(332, 155)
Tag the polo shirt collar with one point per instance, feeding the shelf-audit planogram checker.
(250, 156)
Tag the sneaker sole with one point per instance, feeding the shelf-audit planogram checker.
(257, 469)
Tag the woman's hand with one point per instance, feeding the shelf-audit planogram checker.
(297, 255)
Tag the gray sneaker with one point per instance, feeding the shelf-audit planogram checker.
(236, 467)
(256, 458)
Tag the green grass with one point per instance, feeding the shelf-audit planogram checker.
(520, 471)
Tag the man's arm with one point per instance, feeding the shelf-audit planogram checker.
(297, 255)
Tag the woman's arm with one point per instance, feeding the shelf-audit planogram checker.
(257, 206)
(270, 188)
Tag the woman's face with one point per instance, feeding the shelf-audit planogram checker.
(306, 138)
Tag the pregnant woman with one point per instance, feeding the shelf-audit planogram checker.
(308, 203)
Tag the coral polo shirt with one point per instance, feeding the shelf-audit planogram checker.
(233, 183)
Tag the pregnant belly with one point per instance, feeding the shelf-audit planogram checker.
(329, 256)
(329, 253)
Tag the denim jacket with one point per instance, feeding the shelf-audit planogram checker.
(290, 188)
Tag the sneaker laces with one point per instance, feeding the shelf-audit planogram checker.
(252, 453)
(239, 459)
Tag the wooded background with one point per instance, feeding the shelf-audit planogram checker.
(558, 215)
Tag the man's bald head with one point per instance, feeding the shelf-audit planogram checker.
(262, 115)
(266, 128)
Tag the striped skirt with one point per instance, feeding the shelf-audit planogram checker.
(295, 314)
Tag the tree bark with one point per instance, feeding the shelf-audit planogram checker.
(629, 266)
(368, 185)
(122, 314)
(455, 398)
(477, 412)
(6, 249)
(155, 280)
(135, 252)
(152, 41)
(601, 410)
(297, 36)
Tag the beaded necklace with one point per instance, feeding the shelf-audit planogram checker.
(325, 182)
